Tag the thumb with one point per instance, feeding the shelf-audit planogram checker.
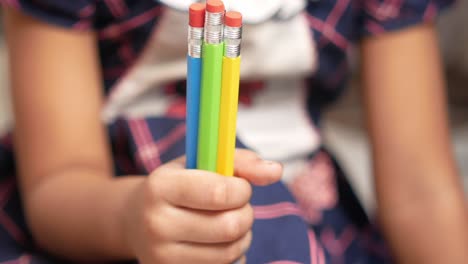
(249, 166)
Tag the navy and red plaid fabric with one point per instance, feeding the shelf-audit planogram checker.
(322, 223)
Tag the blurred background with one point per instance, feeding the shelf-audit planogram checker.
(344, 127)
(344, 130)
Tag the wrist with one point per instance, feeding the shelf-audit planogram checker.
(123, 195)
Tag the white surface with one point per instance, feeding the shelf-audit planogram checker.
(277, 115)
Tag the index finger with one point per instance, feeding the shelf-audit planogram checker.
(197, 189)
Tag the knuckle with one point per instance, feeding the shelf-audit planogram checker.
(247, 190)
(233, 253)
(154, 225)
(233, 228)
(159, 185)
(154, 187)
(150, 226)
(249, 215)
(219, 195)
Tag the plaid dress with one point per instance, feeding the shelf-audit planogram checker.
(311, 217)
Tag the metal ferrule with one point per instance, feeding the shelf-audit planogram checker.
(214, 27)
(232, 41)
(195, 41)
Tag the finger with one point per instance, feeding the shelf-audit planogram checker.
(198, 189)
(177, 163)
(242, 260)
(251, 167)
(197, 226)
(208, 253)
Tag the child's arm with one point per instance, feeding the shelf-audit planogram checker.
(420, 200)
(73, 205)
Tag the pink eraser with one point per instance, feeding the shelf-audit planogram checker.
(214, 6)
(197, 15)
(233, 19)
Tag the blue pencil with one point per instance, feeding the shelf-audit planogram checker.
(194, 66)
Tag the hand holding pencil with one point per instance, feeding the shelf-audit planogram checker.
(181, 213)
(178, 215)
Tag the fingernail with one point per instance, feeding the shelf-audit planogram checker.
(273, 163)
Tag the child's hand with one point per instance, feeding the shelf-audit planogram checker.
(194, 216)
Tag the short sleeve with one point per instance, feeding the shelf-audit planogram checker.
(76, 14)
(379, 16)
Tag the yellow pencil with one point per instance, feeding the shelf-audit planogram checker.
(229, 94)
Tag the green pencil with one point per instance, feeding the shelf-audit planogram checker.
(210, 95)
